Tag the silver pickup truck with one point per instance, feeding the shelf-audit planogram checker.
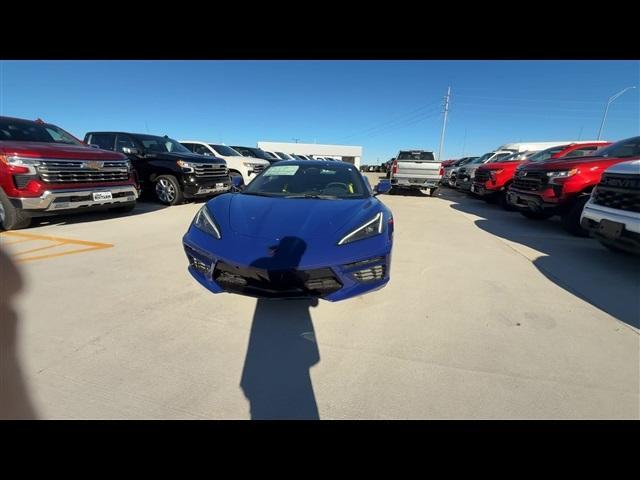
(416, 169)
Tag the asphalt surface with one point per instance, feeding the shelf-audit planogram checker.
(487, 315)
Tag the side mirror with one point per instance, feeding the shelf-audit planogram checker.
(237, 183)
(130, 151)
(383, 187)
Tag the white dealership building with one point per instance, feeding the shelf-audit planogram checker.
(347, 153)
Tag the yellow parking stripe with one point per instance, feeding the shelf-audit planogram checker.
(26, 255)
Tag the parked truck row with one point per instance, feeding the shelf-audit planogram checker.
(593, 186)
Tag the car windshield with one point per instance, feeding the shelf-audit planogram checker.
(415, 155)
(298, 180)
(21, 131)
(482, 158)
(546, 154)
(224, 150)
(152, 144)
(283, 156)
(622, 149)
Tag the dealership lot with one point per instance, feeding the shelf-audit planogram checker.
(487, 315)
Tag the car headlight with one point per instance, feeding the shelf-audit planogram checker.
(22, 164)
(561, 174)
(187, 167)
(251, 164)
(370, 229)
(204, 221)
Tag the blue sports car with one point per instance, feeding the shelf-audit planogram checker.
(299, 229)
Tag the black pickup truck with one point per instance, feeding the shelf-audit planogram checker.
(165, 167)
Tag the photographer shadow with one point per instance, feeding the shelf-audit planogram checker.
(282, 348)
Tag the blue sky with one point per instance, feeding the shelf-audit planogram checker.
(381, 105)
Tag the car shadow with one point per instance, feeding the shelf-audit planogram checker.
(607, 280)
(142, 207)
(282, 347)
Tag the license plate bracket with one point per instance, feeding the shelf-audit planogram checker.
(610, 229)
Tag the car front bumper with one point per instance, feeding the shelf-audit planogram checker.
(75, 199)
(627, 236)
(198, 187)
(226, 265)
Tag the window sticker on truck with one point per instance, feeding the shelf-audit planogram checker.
(281, 170)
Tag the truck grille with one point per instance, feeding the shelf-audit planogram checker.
(82, 171)
(482, 176)
(619, 191)
(211, 170)
(532, 180)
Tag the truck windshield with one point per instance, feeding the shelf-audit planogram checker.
(224, 150)
(482, 159)
(622, 149)
(162, 144)
(546, 154)
(415, 155)
(21, 131)
(305, 180)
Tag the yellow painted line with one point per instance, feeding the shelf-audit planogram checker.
(70, 252)
(57, 241)
(40, 248)
(16, 241)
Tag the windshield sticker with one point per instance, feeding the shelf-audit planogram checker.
(282, 170)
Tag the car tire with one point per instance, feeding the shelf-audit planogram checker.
(504, 203)
(167, 190)
(536, 215)
(12, 218)
(571, 219)
(124, 209)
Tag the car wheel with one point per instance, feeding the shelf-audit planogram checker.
(504, 203)
(571, 219)
(12, 218)
(536, 215)
(168, 190)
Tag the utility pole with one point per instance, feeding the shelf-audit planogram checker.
(296, 139)
(611, 99)
(444, 123)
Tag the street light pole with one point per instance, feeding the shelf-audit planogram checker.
(611, 99)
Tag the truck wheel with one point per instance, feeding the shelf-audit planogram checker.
(168, 190)
(571, 219)
(502, 201)
(536, 215)
(12, 218)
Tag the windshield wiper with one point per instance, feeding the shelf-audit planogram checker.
(313, 195)
(261, 194)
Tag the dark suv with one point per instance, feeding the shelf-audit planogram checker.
(256, 153)
(165, 167)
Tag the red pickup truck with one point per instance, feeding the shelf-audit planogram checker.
(493, 179)
(563, 186)
(45, 170)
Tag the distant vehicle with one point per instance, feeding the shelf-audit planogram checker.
(254, 152)
(563, 186)
(301, 229)
(284, 156)
(45, 171)
(493, 179)
(416, 169)
(165, 167)
(450, 172)
(238, 165)
(612, 214)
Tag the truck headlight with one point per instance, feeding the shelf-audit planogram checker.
(370, 229)
(22, 164)
(204, 221)
(187, 167)
(561, 174)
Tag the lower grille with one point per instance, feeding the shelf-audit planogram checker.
(276, 283)
(370, 274)
(482, 176)
(257, 169)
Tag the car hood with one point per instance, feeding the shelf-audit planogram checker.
(567, 164)
(626, 168)
(275, 218)
(58, 151)
(193, 157)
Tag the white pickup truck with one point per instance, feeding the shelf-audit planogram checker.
(416, 169)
